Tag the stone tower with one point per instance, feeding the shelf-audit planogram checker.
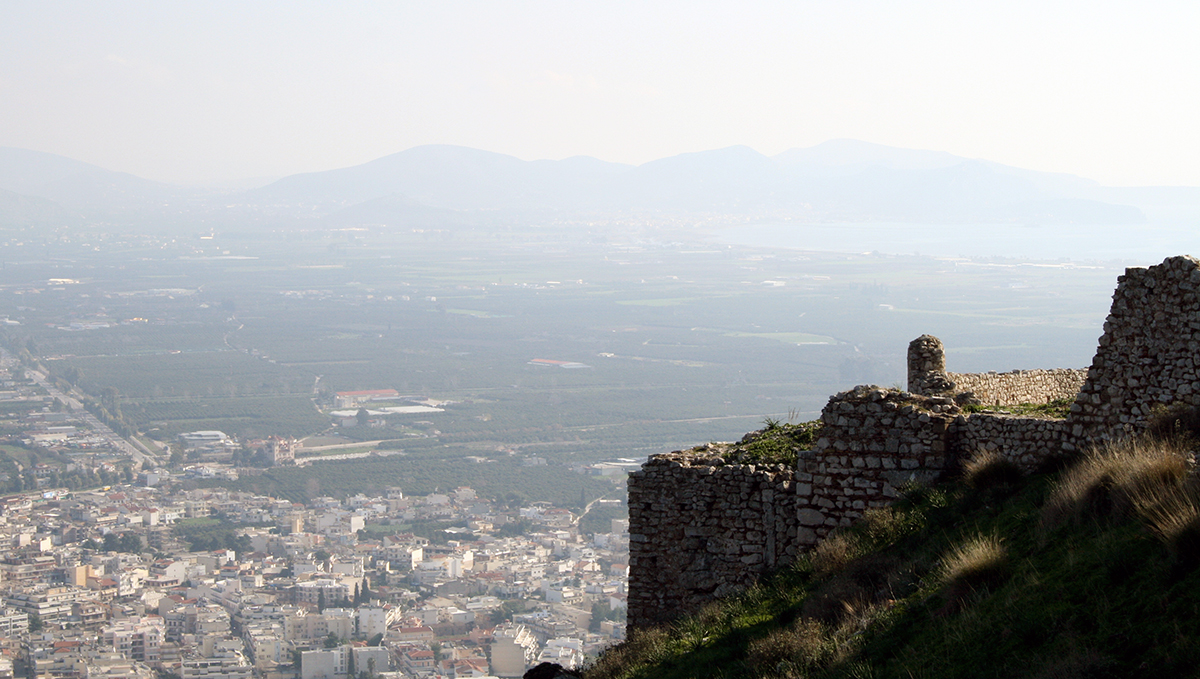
(927, 367)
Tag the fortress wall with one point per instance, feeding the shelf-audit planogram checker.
(700, 529)
(927, 376)
(872, 442)
(1021, 386)
(1027, 441)
(1149, 354)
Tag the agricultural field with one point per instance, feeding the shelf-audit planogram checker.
(502, 479)
(682, 341)
(251, 417)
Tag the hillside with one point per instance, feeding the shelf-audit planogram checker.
(441, 186)
(840, 180)
(1086, 571)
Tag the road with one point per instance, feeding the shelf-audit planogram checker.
(587, 509)
(142, 456)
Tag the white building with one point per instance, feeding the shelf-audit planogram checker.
(513, 651)
(328, 664)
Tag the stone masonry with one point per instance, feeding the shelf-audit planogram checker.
(700, 528)
(705, 529)
(927, 376)
(1149, 355)
(1021, 386)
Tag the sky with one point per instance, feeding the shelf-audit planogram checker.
(196, 92)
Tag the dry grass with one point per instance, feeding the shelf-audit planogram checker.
(980, 562)
(642, 646)
(834, 553)
(808, 646)
(877, 527)
(1108, 480)
(804, 643)
(987, 470)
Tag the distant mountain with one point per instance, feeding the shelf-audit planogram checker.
(837, 180)
(454, 186)
(20, 210)
(82, 185)
(448, 177)
(399, 211)
(845, 156)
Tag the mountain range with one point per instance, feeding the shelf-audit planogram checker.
(839, 180)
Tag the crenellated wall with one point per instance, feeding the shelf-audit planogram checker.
(701, 528)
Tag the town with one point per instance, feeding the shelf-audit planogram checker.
(113, 562)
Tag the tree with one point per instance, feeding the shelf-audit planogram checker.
(35, 622)
(176, 458)
(332, 641)
(350, 662)
(321, 602)
(437, 651)
(370, 668)
(362, 416)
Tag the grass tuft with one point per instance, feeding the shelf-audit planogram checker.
(987, 470)
(834, 553)
(979, 563)
(1104, 484)
(803, 645)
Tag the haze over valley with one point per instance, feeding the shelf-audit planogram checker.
(330, 334)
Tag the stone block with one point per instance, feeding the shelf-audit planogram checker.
(807, 517)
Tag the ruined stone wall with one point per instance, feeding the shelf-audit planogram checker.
(700, 529)
(1029, 442)
(872, 442)
(1149, 354)
(927, 376)
(1020, 386)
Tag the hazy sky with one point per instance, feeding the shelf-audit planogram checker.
(218, 90)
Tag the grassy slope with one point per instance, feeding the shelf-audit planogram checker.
(1096, 595)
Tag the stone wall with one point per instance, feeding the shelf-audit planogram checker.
(927, 376)
(1020, 386)
(1027, 441)
(699, 529)
(1149, 354)
(872, 442)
